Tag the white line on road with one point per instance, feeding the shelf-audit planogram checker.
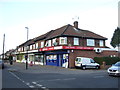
(28, 84)
(98, 76)
(55, 79)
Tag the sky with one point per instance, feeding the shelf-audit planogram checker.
(41, 16)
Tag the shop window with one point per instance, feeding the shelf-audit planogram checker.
(42, 44)
(101, 43)
(90, 42)
(76, 41)
(63, 40)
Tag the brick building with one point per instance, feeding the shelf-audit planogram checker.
(63, 45)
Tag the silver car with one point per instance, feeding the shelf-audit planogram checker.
(1, 64)
(114, 70)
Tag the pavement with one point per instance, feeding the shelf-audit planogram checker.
(21, 67)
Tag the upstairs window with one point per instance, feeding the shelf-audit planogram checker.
(54, 42)
(30, 47)
(63, 40)
(48, 43)
(90, 42)
(33, 46)
(101, 43)
(42, 44)
(36, 45)
(76, 41)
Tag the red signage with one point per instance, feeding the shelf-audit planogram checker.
(65, 47)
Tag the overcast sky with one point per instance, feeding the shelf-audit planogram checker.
(41, 16)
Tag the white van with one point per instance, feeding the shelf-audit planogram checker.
(84, 63)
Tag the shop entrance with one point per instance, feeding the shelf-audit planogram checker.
(52, 60)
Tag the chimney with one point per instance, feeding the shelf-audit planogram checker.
(76, 24)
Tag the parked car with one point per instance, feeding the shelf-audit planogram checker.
(114, 70)
(1, 64)
(84, 63)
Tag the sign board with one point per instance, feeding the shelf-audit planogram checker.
(65, 47)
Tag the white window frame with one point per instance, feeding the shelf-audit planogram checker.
(53, 41)
(49, 43)
(30, 47)
(42, 44)
(101, 42)
(36, 44)
(64, 40)
(90, 42)
(76, 41)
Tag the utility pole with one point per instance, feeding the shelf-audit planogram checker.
(26, 56)
(3, 46)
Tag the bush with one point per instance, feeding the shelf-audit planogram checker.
(108, 60)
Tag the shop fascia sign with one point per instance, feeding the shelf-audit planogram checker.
(65, 47)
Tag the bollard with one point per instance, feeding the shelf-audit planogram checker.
(103, 64)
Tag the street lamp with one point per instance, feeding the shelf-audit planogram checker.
(26, 56)
(3, 46)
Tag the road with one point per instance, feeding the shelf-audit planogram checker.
(61, 78)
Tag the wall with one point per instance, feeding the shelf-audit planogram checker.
(89, 54)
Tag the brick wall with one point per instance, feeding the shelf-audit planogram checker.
(89, 54)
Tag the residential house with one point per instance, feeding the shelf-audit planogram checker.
(63, 45)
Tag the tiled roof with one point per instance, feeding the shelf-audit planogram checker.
(69, 30)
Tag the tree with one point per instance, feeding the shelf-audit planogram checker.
(115, 41)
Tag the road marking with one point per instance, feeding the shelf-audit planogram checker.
(39, 85)
(98, 77)
(26, 83)
(69, 79)
(55, 80)
(31, 86)
(34, 82)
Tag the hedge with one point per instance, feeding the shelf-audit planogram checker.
(108, 60)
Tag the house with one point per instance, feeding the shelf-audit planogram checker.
(60, 47)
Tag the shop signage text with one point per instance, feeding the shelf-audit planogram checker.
(65, 47)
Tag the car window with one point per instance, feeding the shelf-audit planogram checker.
(92, 61)
(76, 59)
(117, 64)
(79, 59)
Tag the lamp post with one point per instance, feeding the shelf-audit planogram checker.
(3, 46)
(26, 57)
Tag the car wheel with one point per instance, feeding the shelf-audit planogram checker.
(83, 67)
(97, 67)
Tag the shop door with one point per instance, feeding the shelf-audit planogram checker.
(64, 60)
(52, 60)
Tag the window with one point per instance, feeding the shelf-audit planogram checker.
(49, 43)
(42, 44)
(30, 47)
(19, 49)
(90, 42)
(33, 46)
(76, 41)
(101, 43)
(36, 45)
(54, 42)
(63, 40)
